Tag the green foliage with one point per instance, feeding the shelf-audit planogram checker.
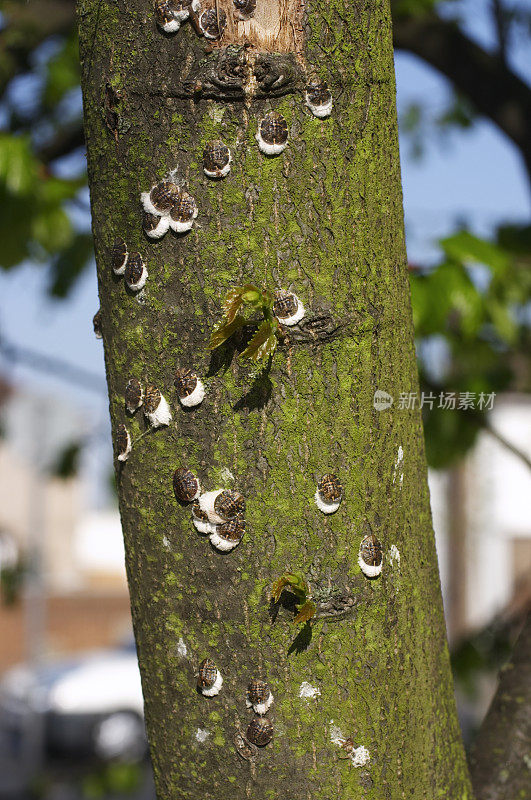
(295, 584)
(34, 221)
(475, 305)
(69, 263)
(259, 304)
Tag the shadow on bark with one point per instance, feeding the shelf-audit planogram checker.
(302, 641)
(221, 357)
(303, 638)
(259, 393)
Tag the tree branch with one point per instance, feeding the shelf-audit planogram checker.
(499, 760)
(26, 26)
(506, 443)
(494, 90)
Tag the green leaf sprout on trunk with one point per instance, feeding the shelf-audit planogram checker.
(258, 305)
(294, 583)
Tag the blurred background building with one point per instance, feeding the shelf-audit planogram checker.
(61, 560)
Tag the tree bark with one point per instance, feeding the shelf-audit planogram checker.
(499, 762)
(325, 217)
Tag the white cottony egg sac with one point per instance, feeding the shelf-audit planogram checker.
(368, 569)
(394, 555)
(206, 504)
(215, 688)
(297, 316)
(270, 148)
(160, 228)
(201, 735)
(261, 708)
(202, 526)
(326, 508)
(161, 415)
(224, 545)
(194, 398)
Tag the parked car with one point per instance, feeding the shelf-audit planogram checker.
(88, 705)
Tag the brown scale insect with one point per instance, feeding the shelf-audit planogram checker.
(96, 324)
(208, 673)
(318, 94)
(228, 504)
(233, 530)
(164, 195)
(216, 159)
(209, 680)
(152, 398)
(164, 12)
(134, 271)
(185, 381)
(183, 212)
(198, 512)
(272, 134)
(149, 221)
(118, 256)
(319, 99)
(330, 488)
(260, 731)
(285, 305)
(227, 535)
(258, 692)
(155, 226)
(134, 394)
(244, 8)
(371, 550)
(185, 485)
(123, 442)
(213, 22)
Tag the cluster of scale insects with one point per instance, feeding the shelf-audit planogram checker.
(219, 514)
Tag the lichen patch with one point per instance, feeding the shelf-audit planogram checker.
(309, 692)
(201, 735)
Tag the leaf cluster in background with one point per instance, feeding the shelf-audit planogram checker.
(41, 124)
(246, 305)
(474, 310)
(295, 584)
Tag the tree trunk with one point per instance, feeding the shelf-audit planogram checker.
(325, 217)
(499, 762)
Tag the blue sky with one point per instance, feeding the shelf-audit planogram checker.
(474, 176)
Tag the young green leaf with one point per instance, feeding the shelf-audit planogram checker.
(294, 581)
(235, 299)
(262, 344)
(306, 611)
(225, 330)
(251, 296)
